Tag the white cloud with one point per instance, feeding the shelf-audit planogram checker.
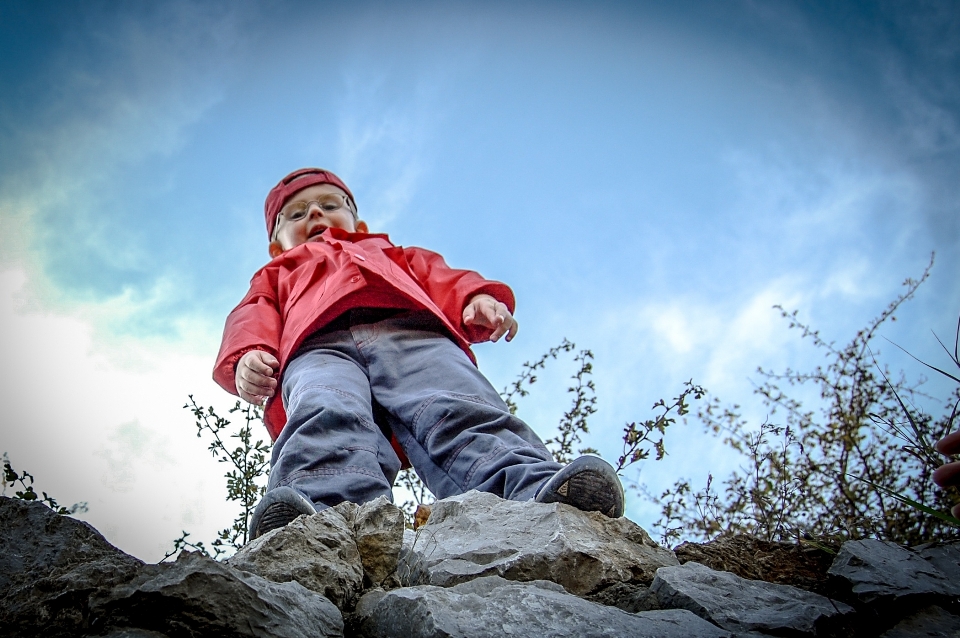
(101, 421)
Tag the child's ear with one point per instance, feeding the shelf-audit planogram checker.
(361, 227)
(275, 249)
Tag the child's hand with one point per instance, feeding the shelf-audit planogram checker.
(948, 475)
(484, 310)
(255, 381)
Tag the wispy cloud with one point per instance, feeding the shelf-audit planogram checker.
(129, 446)
(117, 94)
(386, 132)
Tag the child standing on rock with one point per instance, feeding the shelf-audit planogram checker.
(348, 326)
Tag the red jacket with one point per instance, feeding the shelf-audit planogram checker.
(306, 287)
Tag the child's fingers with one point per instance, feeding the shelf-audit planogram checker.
(479, 313)
(949, 444)
(259, 385)
(514, 327)
(504, 322)
(252, 398)
(507, 327)
(947, 475)
(264, 363)
(254, 383)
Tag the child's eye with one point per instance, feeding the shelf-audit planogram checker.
(296, 213)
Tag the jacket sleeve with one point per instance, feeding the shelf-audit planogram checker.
(253, 325)
(451, 289)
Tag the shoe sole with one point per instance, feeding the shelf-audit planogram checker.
(279, 507)
(591, 488)
(277, 515)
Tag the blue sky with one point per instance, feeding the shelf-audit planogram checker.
(650, 178)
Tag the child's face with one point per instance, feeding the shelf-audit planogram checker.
(297, 227)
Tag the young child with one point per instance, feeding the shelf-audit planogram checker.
(369, 346)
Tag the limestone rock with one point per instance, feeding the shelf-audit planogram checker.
(198, 596)
(493, 606)
(410, 569)
(880, 571)
(348, 511)
(49, 566)
(478, 534)
(378, 528)
(742, 605)
(132, 632)
(756, 559)
(945, 557)
(929, 621)
(481, 566)
(628, 597)
(318, 551)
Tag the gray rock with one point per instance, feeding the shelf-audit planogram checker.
(880, 571)
(628, 597)
(410, 567)
(743, 605)
(410, 570)
(198, 596)
(318, 551)
(348, 511)
(492, 606)
(945, 557)
(378, 529)
(930, 621)
(132, 632)
(49, 566)
(478, 534)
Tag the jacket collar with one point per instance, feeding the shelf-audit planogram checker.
(342, 235)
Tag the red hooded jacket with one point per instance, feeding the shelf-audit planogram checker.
(309, 285)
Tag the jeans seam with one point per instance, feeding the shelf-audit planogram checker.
(361, 448)
(374, 332)
(453, 457)
(498, 450)
(350, 469)
(433, 428)
(303, 388)
(472, 398)
(370, 425)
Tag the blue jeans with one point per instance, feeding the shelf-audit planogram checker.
(453, 426)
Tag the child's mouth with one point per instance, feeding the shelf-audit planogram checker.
(316, 232)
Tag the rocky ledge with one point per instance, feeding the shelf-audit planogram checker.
(480, 566)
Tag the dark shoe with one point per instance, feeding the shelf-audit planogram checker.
(588, 483)
(277, 508)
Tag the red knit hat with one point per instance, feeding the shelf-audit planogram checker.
(297, 181)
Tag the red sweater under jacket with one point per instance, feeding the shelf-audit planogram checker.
(308, 286)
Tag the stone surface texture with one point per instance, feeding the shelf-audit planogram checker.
(756, 559)
(929, 621)
(945, 557)
(628, 597)
(879, 571)
(198, 596)
(318, 551)
(742, 605)
(492, 606)
(478, 534)
(479, 566)
(49, 566)
(378, 528)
